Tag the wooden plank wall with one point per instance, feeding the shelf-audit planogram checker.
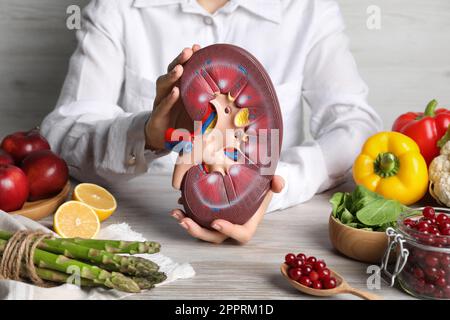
(406, 62)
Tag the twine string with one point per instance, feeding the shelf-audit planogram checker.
(17, 258)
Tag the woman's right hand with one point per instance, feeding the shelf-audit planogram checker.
(168, 111)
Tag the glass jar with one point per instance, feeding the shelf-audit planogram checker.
(422, 259)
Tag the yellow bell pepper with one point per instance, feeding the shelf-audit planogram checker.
(390, 164)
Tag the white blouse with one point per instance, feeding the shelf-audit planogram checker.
(124, 45)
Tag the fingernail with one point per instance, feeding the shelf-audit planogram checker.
(184, 225)
(173, 91)
(175, 215)
(174, 70)
(216, 227)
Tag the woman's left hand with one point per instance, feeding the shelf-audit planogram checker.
(224, 229)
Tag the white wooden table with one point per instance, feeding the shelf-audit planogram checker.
(230, 271)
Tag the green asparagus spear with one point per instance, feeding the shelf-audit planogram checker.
(144, 283)
(112, 262)
(117, 246)
(59, 277)
(149, 282)
(114, 280)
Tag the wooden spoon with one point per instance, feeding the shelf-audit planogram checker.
(342, 287)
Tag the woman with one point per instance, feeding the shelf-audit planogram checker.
(119, 96)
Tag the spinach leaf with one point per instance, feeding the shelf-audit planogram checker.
(347, 217)
(379, 212)
(336, 201)
(362, 197)
(353, 225)
(362, 192)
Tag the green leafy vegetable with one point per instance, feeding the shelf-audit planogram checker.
(361, 197)
(364, 209)
(379, 212)
(336, 202)
(347, 217)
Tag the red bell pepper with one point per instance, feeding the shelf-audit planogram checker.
(425, 128)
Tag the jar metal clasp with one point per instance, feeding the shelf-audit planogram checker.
(395, 242)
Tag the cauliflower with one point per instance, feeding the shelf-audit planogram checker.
(439, 173)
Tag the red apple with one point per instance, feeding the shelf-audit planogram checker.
(13, 188)
(5, 158)
(21, 144)
(46, 172)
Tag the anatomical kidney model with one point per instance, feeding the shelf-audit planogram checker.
(226, 165)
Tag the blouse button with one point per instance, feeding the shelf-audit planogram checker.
(208, 21)
(132, 160)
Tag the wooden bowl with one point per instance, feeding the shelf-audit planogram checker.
(41, 209)
(361, 245)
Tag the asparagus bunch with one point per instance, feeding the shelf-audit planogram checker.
(96, 261)
(112, 262)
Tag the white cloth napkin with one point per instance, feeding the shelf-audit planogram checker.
(14, 290)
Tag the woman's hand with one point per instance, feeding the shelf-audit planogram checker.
(224, 229)
(168, 111)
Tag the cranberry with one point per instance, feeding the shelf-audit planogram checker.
(423, 225)
(429, 288)
(319, 265)
(431, 260)
(419, 254)
(427, 239)
(441, 218)
(446, 268)
(295, 273)
(441, 282)
(419, 285)
(445, 232)
(289, 258)
(329, 283)
(418, 273)
(317, 285)
(444, 225)
(311, 260)
(428, 212)
(447, 291)
(324, 273)
(297, 263)
(314, 276)
(409, 222)
(445, 259)
(433, 230)
(304, 280)
(301, 256)
(442, 241)
(432, 273)
(439, 294)
(306, 269)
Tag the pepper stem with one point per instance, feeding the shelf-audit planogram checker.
(386, 165)
(431, 108)
(445, 138)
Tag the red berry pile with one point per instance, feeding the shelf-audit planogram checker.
(427, 272)
(309, 271)
(431, 229)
